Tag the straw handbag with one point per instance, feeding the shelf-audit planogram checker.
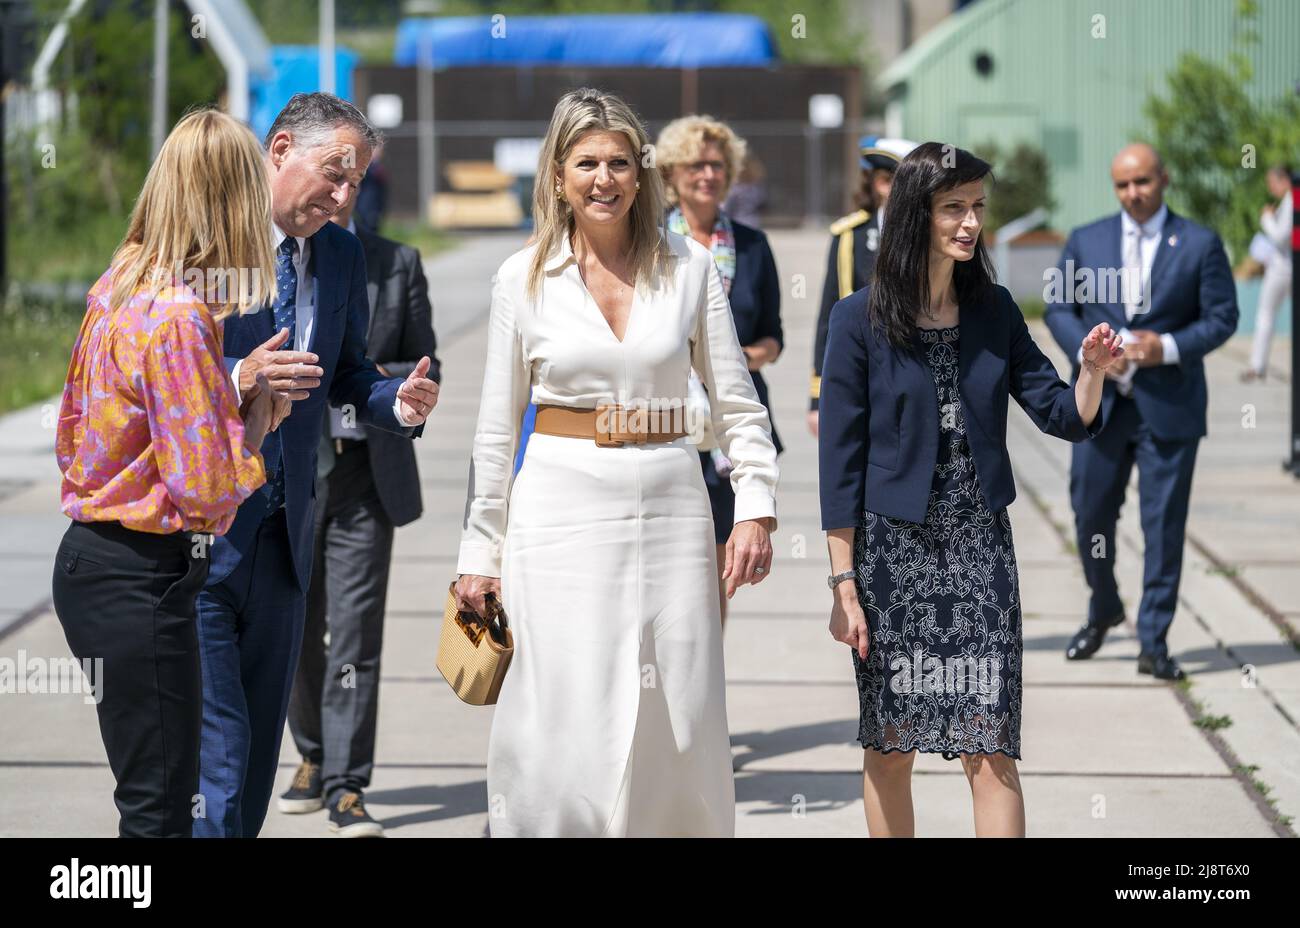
(474, 653)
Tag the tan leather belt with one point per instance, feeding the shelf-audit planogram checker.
(609, 426)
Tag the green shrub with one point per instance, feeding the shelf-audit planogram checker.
(1022, 182)
(1217, 143)
(36, 337)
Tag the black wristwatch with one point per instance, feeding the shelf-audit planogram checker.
(836, 579)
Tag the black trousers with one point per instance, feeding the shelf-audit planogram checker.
(1099, 473)
(334, 709)
(128, 598)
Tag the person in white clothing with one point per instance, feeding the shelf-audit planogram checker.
(612, 718)
(1275, 223)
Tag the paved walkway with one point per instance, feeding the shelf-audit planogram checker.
(1106, 752)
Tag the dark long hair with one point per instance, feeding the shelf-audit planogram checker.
(900, 282)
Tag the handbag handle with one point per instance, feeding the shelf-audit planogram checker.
(496, 613)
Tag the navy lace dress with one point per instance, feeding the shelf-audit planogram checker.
(942, 602)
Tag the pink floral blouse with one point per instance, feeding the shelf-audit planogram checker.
(149, 430)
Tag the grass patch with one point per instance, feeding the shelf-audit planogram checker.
(1202, 719)
(375, 46)
(60, 255)
(1033, 308)
(1213, 722)
(423, 238)
(36, 337)
(1248, 771)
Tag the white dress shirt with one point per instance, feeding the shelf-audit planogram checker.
(1149, 234)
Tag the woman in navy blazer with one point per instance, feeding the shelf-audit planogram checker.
(915, 481)
(699, 158)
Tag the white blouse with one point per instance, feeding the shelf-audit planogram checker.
(561, 349)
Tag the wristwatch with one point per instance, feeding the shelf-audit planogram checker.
(835, 580)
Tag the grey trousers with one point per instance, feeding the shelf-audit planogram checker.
(335, 703)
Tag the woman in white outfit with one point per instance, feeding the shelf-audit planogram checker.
(612, 719)
(1275, 223)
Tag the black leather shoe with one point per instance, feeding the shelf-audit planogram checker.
(1163, 667)
(1088, 639)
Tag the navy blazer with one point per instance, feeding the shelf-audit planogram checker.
(756, 301)
(1192, 297)
(878, 440)
(339, 339)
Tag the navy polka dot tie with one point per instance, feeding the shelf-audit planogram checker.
(286, 317)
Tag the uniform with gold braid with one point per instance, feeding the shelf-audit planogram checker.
(855, 241)
(474, 653)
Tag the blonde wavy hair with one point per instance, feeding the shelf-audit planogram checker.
(682, 140)
(578, 112)
(204, 212)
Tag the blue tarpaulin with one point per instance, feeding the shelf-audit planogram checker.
(295, 69)
(679, 40)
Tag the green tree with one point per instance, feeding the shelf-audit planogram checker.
(1217, 143)
(811, 32)
(1022, 182)
(72, 198)
(293, 22)
(112, 81)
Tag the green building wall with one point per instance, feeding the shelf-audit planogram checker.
(1078, 97)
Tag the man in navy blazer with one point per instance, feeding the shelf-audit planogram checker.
(310, 345)
(1164, 282)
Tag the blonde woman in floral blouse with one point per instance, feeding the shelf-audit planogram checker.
(157, 454)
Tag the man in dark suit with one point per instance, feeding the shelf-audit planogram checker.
(1163, 281)
(367, 484)
(310, 345)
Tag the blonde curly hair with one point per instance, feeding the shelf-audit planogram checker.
(682, 140)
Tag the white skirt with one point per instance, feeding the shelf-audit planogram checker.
(612, 719)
